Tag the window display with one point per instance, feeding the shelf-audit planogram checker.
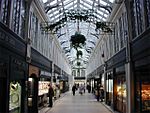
(145, 93)
(121, 94)
(15, 97)
(43, 87)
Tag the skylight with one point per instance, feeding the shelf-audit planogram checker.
(90, 7)
(90, 2)
(111, 1)
(44, 1)
(66, 2)
(70, 27)
(68, 5)
(103, 3)
(53, 2)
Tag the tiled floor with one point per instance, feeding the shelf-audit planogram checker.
(85, 103)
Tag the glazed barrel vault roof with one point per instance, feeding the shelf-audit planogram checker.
(100, 9)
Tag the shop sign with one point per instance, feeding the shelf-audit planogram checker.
(97, 76)
(33, 70)
(45, 73)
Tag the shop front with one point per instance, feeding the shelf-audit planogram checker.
(33, 88)
(141, 63)
(63, 81)
(39, 77)
(90, 81)
(13, 72)
(120, 95)
(43, 88)
(17, 86)
(115, 82)
(100, 73)
(142, 89)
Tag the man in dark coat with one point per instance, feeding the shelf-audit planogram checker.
(98, 92)
(89, 88)
(50, 94)
(73, 90)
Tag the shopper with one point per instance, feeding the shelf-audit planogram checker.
(74, 89)
(89, 88)
(98, 92)
(81, 89)
(101, 93)
(84, 87)
(50, 94)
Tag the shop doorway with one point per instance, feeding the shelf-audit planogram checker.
(33, 94)
(121, 94)
(3, 87)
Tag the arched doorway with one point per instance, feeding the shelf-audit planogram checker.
(33, 94)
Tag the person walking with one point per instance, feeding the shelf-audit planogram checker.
(73, 89)
(98, 92)
(84, 87)
(101, 94)
(50, 94)
(81, 89)
(89, 88)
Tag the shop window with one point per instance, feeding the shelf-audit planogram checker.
(22, 20)
(133, 19)
(121, 94)
(43, 89)
(15, 97)
(121, 32)
(116, 39)
(147, 5)
(4, 11)
(34, 31)
(138, 17)
(143, 93)
(16, 16)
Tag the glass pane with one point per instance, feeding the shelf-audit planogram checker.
(121, 94)
(15, 97)
(145, 96)
(4, 11)
(148, 12)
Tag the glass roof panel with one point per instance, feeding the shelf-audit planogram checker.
(75, 6)
(44, 1)
(70, 27)
(103, 2)
(111, 1)
(91, 2)
(67, 1)
(53, 2)
(68, 5)
(89, 6)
